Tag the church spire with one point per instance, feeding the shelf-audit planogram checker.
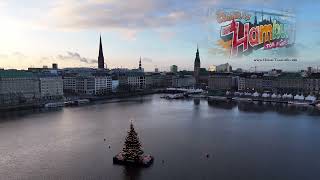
(100, 57)
(197, 60)
(197, 66)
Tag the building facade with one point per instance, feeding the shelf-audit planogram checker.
(51, 87)
(174, 68)
(224, 68)
(222, 81)
(183, 81)
(18, 87)
(85, 85)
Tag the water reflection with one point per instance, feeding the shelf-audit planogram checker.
(262, 107)
(132, 173)
(222, 104)
(16, 114)
(196, 101)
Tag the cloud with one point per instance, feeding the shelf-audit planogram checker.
(112, 14)
(19, 55)
(3, 56)
(147, 60)
(76, 56)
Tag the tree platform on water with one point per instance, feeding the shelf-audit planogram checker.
(132, 153)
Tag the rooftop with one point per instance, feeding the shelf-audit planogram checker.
(15, 74)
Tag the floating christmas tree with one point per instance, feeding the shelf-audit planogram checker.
(132, 148)
(132, 153)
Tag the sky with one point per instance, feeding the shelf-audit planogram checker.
(34, 33)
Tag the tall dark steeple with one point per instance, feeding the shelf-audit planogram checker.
(197, 67)
(140, 67)
(100, 57)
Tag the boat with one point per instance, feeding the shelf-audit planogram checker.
(242, 99)
(82, 101)
(54, 105)
(174, 96)
(298, 103)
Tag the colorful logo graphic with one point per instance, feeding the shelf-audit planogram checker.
(243, 32)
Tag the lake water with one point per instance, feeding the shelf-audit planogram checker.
(244, 141)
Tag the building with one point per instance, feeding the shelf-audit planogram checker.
(131, 80)
(156, 70)
(212, 68)
(155, 80)
(100, 57)
(102, 83)
(183, 81)
(196, 69)
(222, 81)
(18, 87)
(69, 83)
(174, 68)
(290, 83)
(55, 66)
(97, 82)
(51, 86)
(250, 82)
(224, 68)
(136, 80)
(312, 83)
(85, 85)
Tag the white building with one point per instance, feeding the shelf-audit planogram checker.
(51, 87)
(212, 68)
(224, 68)
(103, 85)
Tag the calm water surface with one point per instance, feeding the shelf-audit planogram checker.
(244, 141)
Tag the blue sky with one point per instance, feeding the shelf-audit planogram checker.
(34, 33)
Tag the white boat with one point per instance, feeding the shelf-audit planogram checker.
(198, 96)
(82, 101)
(174, 96)
(242, 99)
(297, 103)
(54, 105)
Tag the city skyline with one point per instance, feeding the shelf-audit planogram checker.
(34, 34)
